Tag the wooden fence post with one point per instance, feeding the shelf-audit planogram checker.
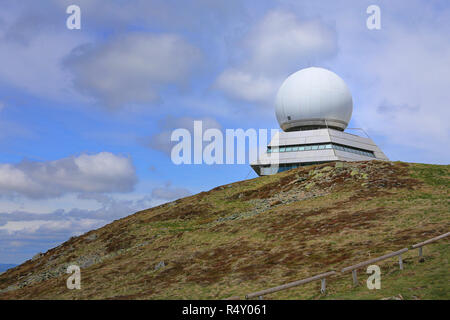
(352, 268)
(355, 278)
(400, 261)
(323, 285)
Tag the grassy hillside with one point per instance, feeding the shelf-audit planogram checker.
(259, 233)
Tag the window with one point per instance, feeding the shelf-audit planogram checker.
(354, 150)
(321, 147)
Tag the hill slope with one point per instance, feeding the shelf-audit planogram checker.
(260, 233)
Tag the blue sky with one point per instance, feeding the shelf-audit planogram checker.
(85, 115)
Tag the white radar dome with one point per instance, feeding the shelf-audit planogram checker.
(313, 98)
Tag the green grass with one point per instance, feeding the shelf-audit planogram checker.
(298, 230)
(434, 175)
(418, 280)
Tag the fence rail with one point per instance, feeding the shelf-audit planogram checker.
(352, 268)
(321, 277)
(233, 298)
(424, 243)
(355, 267)
(367, 262)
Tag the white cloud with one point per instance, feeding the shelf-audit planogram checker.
(281, 40)
(275, 47)
(399, 76)
(110, 208)
(33, 48)
(102, 172)
(411, 96)
(49, 226)
(246, 85)
(23, 233)
(192, 15)
(161, 141)
(132, 68)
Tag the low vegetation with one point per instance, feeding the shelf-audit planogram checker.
(259, 233)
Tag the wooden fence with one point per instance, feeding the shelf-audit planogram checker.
(321, 277)
(355, 267)
(352, 268)
(424, 243)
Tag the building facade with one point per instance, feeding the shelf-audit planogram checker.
(313, 108)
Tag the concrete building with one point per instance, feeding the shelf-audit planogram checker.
(313, 108)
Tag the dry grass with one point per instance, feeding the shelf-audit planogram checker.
(258, 233)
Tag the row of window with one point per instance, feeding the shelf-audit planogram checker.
(320, 147)
(288, 167)
(354, 150)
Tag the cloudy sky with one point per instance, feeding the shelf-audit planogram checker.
(86, 115)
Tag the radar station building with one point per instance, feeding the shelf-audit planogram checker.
(313, 108)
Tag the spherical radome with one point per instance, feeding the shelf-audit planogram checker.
(313, 98)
